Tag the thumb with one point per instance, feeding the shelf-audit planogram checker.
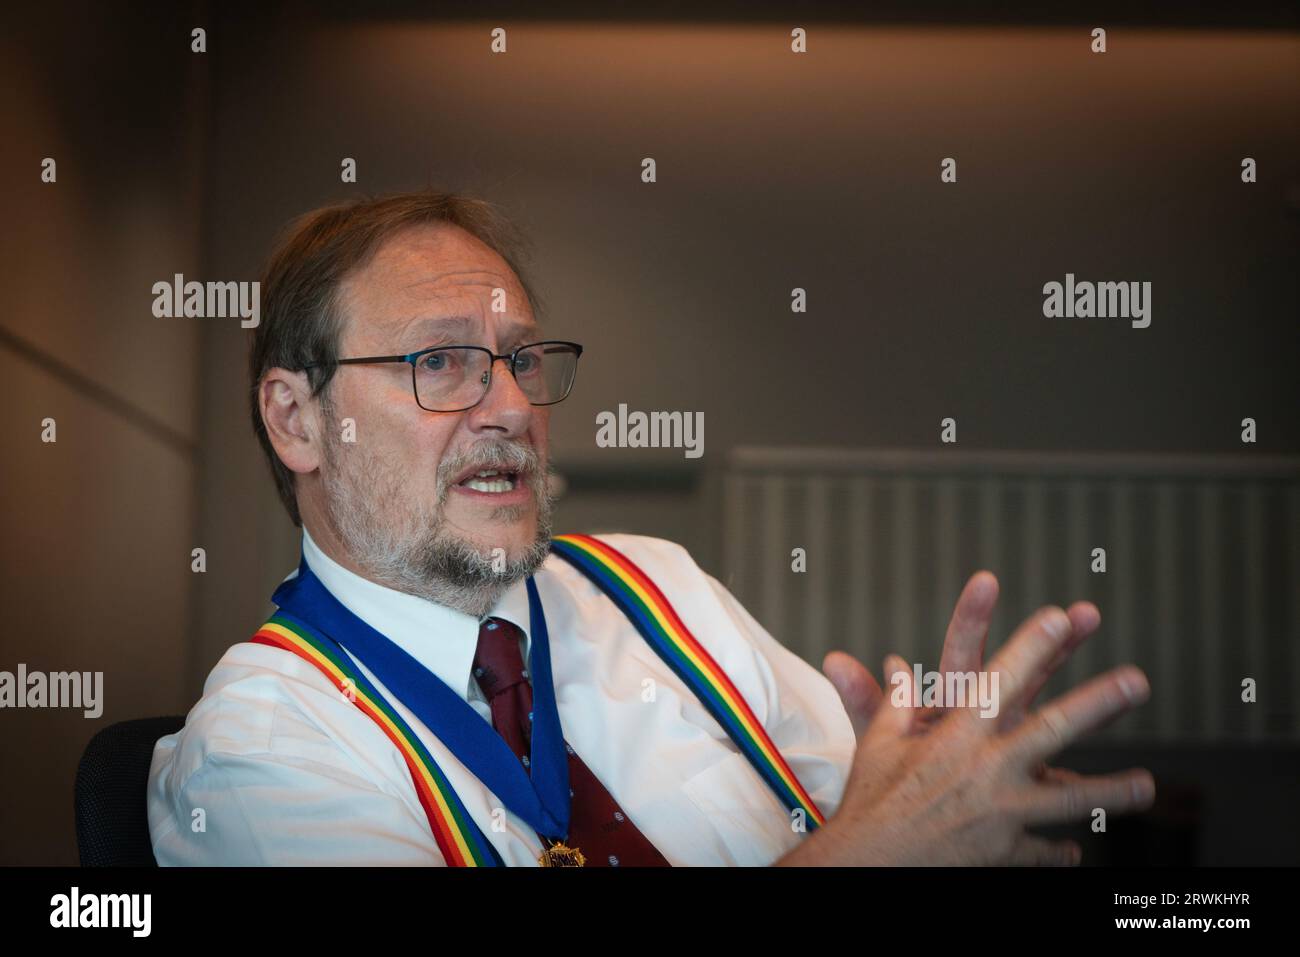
(858, 689)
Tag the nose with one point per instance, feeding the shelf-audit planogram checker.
(505, 409)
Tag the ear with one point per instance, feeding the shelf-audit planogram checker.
(292, 419)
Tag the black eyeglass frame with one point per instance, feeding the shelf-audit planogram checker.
(511, 357)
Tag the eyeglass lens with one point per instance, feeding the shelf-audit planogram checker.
(457, 377)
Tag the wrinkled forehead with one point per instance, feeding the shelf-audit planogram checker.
(427, 283)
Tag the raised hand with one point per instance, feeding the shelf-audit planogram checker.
(963, 650)
(965, 790)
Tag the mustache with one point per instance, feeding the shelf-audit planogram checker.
(492, 453)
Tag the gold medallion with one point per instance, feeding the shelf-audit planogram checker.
(560, 855)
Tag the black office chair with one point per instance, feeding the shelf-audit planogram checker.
(112, 819)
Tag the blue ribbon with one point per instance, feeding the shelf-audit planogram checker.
(540, 796)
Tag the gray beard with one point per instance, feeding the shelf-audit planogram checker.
(409, 546)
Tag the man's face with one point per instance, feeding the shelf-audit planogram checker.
(404, 498)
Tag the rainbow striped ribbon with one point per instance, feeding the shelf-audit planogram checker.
(647, 608)
(461, 842)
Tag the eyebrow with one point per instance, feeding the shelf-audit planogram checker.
(422, 329)
(439, 324)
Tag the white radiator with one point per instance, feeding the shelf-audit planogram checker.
(1202, 587)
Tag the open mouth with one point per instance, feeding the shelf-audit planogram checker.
(491, 480)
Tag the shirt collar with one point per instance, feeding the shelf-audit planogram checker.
(440, 638)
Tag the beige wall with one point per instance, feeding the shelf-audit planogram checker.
(98, 526)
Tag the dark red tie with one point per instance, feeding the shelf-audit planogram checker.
(598, 827)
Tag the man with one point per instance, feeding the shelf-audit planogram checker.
(442, 686)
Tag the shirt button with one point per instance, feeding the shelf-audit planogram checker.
(618, 815)
(524, 673)
(613, 861)
(478, 672)
(525, 760)
(491, 626)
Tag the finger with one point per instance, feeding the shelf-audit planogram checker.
(898, 711)
(963, 645)
(1057, 775)
(1030, 649)
(1033, 851)
(1085, 616)
(857, 686)
(1084, 619)
(1077, 712)
(1062, 801)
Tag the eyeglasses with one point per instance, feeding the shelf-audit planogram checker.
(456, 378)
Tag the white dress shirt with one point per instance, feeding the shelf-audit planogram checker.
(276, 766)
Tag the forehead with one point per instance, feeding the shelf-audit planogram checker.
(425, 273)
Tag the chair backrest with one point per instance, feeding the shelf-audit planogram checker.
(112, 817)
